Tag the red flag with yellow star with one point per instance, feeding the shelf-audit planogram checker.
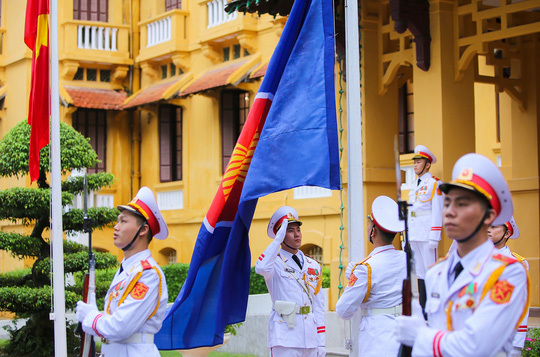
(36, 37)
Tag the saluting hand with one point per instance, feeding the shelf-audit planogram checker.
(280, 235)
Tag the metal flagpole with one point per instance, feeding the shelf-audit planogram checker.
(354, 147)
(59, 304)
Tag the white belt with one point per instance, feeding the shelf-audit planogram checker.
(135, 338)
(396, 310)
(420, 213)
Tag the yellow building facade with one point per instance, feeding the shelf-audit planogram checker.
(162, 88)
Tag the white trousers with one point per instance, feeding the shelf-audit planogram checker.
(423, 256)
(280, 351)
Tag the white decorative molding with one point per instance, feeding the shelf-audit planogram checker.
(217, 14)
(303, 192)
(170, 200)
(410, 177)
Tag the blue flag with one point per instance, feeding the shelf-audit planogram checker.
(289, 139)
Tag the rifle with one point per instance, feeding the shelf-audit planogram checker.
(88, 345)
(409, 290)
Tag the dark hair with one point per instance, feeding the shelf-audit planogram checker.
(386, 237)
(141, 220)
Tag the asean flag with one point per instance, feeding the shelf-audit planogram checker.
(289, 140)
(36, 37)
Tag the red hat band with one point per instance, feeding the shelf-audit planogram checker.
(372, 218)
(469, 178)
(277, 226)
(426, 155)
(509, 227)
(147, 213)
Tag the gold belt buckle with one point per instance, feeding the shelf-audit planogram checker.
(304, 310)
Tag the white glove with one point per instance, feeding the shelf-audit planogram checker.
(83, 309)
(321, 351)
(280, 235)
(349, 269)
(408, 327)
(433, 244)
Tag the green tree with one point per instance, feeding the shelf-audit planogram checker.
(29, 295)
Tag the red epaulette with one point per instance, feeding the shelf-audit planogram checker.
(503, 258)
(145, 265)
(313, 259)
(436, 178)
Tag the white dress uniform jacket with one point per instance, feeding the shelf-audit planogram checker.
(477, 314)
(425, 214)
(375, 288)
(279, 272)
(135, 306)
(521, 333)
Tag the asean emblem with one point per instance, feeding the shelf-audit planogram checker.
(139, 291)
(501, 292)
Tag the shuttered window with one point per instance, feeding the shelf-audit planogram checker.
(406, 118)
(234, 111)
(173, 4)
(170, 143)
(92, 123)
(91, 10)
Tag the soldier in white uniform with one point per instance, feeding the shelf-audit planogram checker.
(476, 296)
(376, 282)
(136, 301)
(296, 327)
(425, 216)
(499, 235)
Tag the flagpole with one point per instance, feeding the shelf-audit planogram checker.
(59, 304)
(354, 148)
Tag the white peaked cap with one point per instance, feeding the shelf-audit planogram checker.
(385, 215)
(284, 212)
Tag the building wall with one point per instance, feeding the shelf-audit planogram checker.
(452, 117)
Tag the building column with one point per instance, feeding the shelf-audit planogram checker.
(444, 108)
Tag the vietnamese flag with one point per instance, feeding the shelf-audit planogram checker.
(36, 37)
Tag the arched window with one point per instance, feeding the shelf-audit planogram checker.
(313, 251)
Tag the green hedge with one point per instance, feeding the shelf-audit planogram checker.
(175, 275)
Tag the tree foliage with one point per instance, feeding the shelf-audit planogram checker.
(28, 293)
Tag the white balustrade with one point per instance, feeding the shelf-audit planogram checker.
(159, 31)
(97, 37)
(303, 192)
(217, 14)
(170, 200)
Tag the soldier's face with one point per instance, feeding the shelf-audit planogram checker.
(419, 165)
(495, 233)
(463, 210)
(125, 229)
(293, 237)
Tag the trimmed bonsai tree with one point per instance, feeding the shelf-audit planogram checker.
(28, 294)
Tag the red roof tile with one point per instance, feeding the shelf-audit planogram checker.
(96, 98)
(150, 94)
(260, 72)
(212, 79)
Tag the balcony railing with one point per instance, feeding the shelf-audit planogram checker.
(217, 14)
(163, 34)
(97, 37)
(101, 41)
(158, 31)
